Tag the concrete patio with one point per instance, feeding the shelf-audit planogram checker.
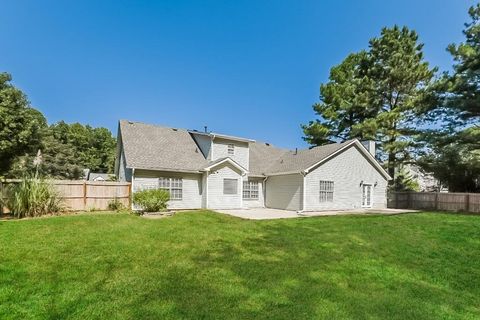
(268, 213)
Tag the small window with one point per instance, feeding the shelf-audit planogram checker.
(250, 190)
(326, 191)
(230, 186)
(231, 149)
(174, 186)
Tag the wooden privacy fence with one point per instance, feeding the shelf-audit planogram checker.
(465, 202)
(79, 195)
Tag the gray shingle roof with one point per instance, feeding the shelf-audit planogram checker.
(154, 147)
(266, 159)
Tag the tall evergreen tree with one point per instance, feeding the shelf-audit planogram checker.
(452, 150)
(402, 78)
(344, 102)
(464, 89)
(378, 94)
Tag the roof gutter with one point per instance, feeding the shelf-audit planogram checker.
(166, 170)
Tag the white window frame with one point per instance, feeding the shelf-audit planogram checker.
(236, 186)
(250, 190)
(231, 149)
(174, 186)
(326, 188)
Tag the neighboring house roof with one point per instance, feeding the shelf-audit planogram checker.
(94, 176)
(161, 148)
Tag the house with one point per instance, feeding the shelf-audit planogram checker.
(216, 171)
(98, 176)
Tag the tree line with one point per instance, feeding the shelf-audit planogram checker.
(60, 150)
(389, 93)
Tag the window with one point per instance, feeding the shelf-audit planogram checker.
(250, 190)
(173, 185)
(326, 191)
(230, 186)
(230, 149)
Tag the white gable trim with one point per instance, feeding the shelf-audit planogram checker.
(230, 161)
(362, 150)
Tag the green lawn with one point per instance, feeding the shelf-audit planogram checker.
(205, 265)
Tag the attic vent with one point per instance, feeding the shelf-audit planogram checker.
(266, 143)
(174, 129)
(130, 122)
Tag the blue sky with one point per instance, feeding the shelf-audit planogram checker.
(246, 68)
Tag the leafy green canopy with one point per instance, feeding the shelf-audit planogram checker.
(376, 94)
(66, 149)
(21, 126)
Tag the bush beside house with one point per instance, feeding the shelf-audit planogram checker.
(153, 200)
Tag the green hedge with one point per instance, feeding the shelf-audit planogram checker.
(153, 200)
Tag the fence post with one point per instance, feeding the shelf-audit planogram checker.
(1, 198)
(409, 200)
(84, 195)
(130, 196)
(436, 201)
(467, 202)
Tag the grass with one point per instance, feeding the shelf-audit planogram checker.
(205, 265)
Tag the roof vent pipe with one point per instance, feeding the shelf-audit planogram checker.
(296, 150)
(205, 127)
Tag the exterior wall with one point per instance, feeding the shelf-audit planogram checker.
(192, 187)
(284, 192)
(124, 173)
(346, 169)
(259, 203)
(204, 143)
(216, 198)
(220, 150)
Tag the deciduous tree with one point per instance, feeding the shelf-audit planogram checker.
(21, 125)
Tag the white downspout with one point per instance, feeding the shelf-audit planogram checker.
(304, 196)
(241, 190)
(264, 190)
(206, 189)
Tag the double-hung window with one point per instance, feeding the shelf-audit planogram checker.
(174, 186)
(250, 190)
(326, 191)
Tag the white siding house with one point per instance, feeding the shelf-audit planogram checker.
(253, 193)
(349, 171)
(191, 197)
(219, 180)
(285, 191)
(236, 150)
(215, 171)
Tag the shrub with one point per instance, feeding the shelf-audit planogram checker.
(151, 200)
(32, 197)
(115, 205)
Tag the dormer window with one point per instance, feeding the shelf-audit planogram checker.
(230, 149)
